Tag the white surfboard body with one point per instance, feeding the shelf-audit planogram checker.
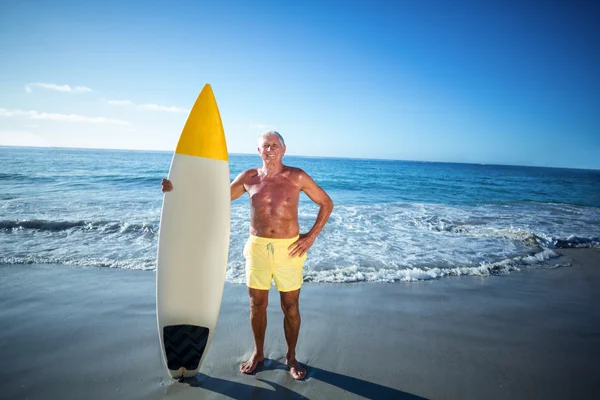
(193, 240)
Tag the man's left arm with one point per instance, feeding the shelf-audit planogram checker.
(320, 197)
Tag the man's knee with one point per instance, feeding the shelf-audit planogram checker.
(290, 308)
(259, 299)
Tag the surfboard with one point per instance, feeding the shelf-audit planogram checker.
(193, 240)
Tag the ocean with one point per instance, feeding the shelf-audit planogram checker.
(393, 221)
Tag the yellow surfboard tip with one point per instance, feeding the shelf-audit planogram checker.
(203, 134)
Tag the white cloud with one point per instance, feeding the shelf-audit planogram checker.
(151, 107)
(11, 113)
(60, 117)
(61, 88)
(119, 102)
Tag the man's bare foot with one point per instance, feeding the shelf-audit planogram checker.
(295, 369)
(249, 366)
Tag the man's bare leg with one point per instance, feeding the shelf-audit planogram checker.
(259, 299)
(291, 326)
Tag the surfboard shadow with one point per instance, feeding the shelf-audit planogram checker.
(238, 390)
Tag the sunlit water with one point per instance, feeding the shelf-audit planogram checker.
(393, 220)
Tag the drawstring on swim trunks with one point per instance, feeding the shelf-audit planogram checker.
(271, 248)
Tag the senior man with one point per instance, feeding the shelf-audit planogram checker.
(276, 250)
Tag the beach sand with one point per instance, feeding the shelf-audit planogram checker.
(75, 333)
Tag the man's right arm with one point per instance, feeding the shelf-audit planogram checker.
(237, 186)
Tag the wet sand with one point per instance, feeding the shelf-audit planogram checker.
(72, 333)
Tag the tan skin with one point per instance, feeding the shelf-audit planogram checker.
(274, 192)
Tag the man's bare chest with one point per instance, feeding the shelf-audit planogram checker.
(274, 192)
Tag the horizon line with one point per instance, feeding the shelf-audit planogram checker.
(308, 156)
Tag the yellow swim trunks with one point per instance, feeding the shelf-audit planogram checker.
(268, 259)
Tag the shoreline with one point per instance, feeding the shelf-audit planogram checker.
(75, 332)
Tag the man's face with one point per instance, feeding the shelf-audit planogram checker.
(270, 149)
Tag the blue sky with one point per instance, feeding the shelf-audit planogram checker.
(507, 82)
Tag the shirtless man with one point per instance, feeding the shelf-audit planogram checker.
(276, 249)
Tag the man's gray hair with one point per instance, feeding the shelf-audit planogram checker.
(271, 133)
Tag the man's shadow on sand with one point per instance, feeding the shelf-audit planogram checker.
(238, 390)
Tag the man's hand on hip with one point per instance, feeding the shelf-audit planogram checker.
(301, 246)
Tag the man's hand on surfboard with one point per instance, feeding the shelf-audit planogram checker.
(167, 186)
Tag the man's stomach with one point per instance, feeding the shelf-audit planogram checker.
(275, 229)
